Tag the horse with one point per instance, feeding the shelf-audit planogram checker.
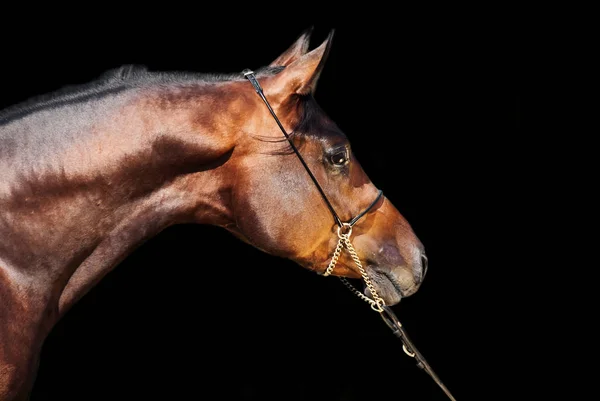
(91, 172)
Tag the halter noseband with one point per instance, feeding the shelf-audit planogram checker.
(344, 232)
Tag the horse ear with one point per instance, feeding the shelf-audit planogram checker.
(300, 76)
(297, 50)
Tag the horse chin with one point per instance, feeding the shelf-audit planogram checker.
(387, 288)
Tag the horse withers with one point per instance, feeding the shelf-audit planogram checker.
(88, 174)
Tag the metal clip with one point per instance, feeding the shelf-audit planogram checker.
(248, 73)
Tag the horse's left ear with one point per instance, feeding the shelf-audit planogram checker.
(300, 77)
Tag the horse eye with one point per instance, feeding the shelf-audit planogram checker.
(339, 158)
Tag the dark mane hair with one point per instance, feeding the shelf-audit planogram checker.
(115, 81)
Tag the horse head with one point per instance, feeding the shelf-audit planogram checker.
(278, 209)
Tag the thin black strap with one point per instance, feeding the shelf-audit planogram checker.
(393, 323)
(354, 220)
(250, 75)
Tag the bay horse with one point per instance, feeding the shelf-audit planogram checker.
(89, 173)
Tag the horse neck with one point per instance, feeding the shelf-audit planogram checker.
(125, 168)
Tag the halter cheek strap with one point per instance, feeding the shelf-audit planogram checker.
(249, 74)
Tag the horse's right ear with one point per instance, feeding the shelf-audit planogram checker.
(297, 50)
(300, 76)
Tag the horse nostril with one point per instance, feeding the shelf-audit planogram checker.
(424, 264)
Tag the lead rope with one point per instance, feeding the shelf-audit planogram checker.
(378, 305)
(344, 232)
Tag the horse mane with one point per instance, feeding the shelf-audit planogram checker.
(115, 81)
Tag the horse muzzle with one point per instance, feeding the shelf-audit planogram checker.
(394, 276)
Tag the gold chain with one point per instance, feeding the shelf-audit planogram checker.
(376, 302)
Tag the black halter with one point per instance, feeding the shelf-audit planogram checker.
(250, 75)
(386, 313)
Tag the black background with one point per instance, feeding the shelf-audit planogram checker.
(430, 102)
